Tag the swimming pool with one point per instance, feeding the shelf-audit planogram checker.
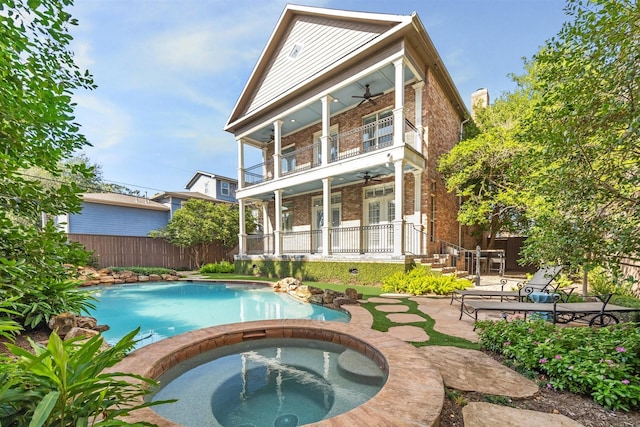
(268, 382)
(167, 309)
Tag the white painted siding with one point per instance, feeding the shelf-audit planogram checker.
(325, 41)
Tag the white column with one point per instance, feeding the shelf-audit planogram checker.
(266, 225)
(277, 232)
(265, 166)
(398, 111)
(417, 144)
(326, 213)
(398, 222)
(417, 207)
(324, 138)
(242, 236)
(240, 164)
(277, 148)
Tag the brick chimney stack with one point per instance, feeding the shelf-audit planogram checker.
(479, 99)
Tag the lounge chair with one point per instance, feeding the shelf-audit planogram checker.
(597, 311)
(540, 282)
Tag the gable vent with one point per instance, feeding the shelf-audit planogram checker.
(295, 52)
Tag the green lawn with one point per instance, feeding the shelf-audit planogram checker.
(380, 320)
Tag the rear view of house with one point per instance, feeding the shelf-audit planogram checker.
(348, 113)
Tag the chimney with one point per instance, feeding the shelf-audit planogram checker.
(479, 99)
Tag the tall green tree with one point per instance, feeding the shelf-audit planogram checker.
(199, 223)
(586, 133)
(37, 128)
(484, 169)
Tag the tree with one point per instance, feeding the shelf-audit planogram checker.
(586, 133)
(198, 223)
(484, 171)
(37, 128)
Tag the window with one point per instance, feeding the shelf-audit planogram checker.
(288, 159)
(377, 130)
(224, 188)
(206, 187)
(333, 146)
(287, 216)
(380, 204)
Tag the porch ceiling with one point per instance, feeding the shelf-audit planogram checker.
(344, 178)
(381, 80)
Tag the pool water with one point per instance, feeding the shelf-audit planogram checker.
(168, 309)
(268, 382)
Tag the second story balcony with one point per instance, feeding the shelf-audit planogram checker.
(353, 143)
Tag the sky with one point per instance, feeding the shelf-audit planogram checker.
(169, 72)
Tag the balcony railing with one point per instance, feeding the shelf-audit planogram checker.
(258, 244)
(354, 142)
(258, 173)
(302, 159)
(297, 242)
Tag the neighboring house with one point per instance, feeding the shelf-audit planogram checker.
(115, 215)
(174, 199)
(349, 112)
(216, 186)
(115, 227)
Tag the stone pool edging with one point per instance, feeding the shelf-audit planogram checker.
(413, 394)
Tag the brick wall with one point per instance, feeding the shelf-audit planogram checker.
(441, 123)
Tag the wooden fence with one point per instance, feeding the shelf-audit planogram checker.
(129, 251)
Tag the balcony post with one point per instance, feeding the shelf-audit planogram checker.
(324, 138)
(417, 205)
(277, 148)
(398, 222)
(265, 165)
(242, 235)
(326, 213)
(240, 164)
(398, 110)
(417, 144)
(277, 233)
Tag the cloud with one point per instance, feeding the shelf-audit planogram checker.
(82, 54)
(213, 45)
(103, 123)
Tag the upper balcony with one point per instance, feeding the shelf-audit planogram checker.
(352, 145)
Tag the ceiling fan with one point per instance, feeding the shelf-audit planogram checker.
(367, 177)
(367, 96)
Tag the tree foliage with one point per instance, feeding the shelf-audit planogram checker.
(484, 171)
(198, 223)
(586, 133)
(37, 128)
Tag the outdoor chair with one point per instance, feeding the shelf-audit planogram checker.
(540, 282)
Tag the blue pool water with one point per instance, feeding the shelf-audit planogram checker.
(168, 309)
(268, 382)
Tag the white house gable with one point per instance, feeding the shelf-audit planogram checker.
(304, 52)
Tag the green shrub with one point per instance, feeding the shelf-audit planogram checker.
(222, 267)
(601, 362)
(65, 384)
(353, 273)
(421, 280)
(601, 283)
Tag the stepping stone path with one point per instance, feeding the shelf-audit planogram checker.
(469, 370)
(409, 333)
(392, 308)
(405, 318)
(482, 414)
(472, 370)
